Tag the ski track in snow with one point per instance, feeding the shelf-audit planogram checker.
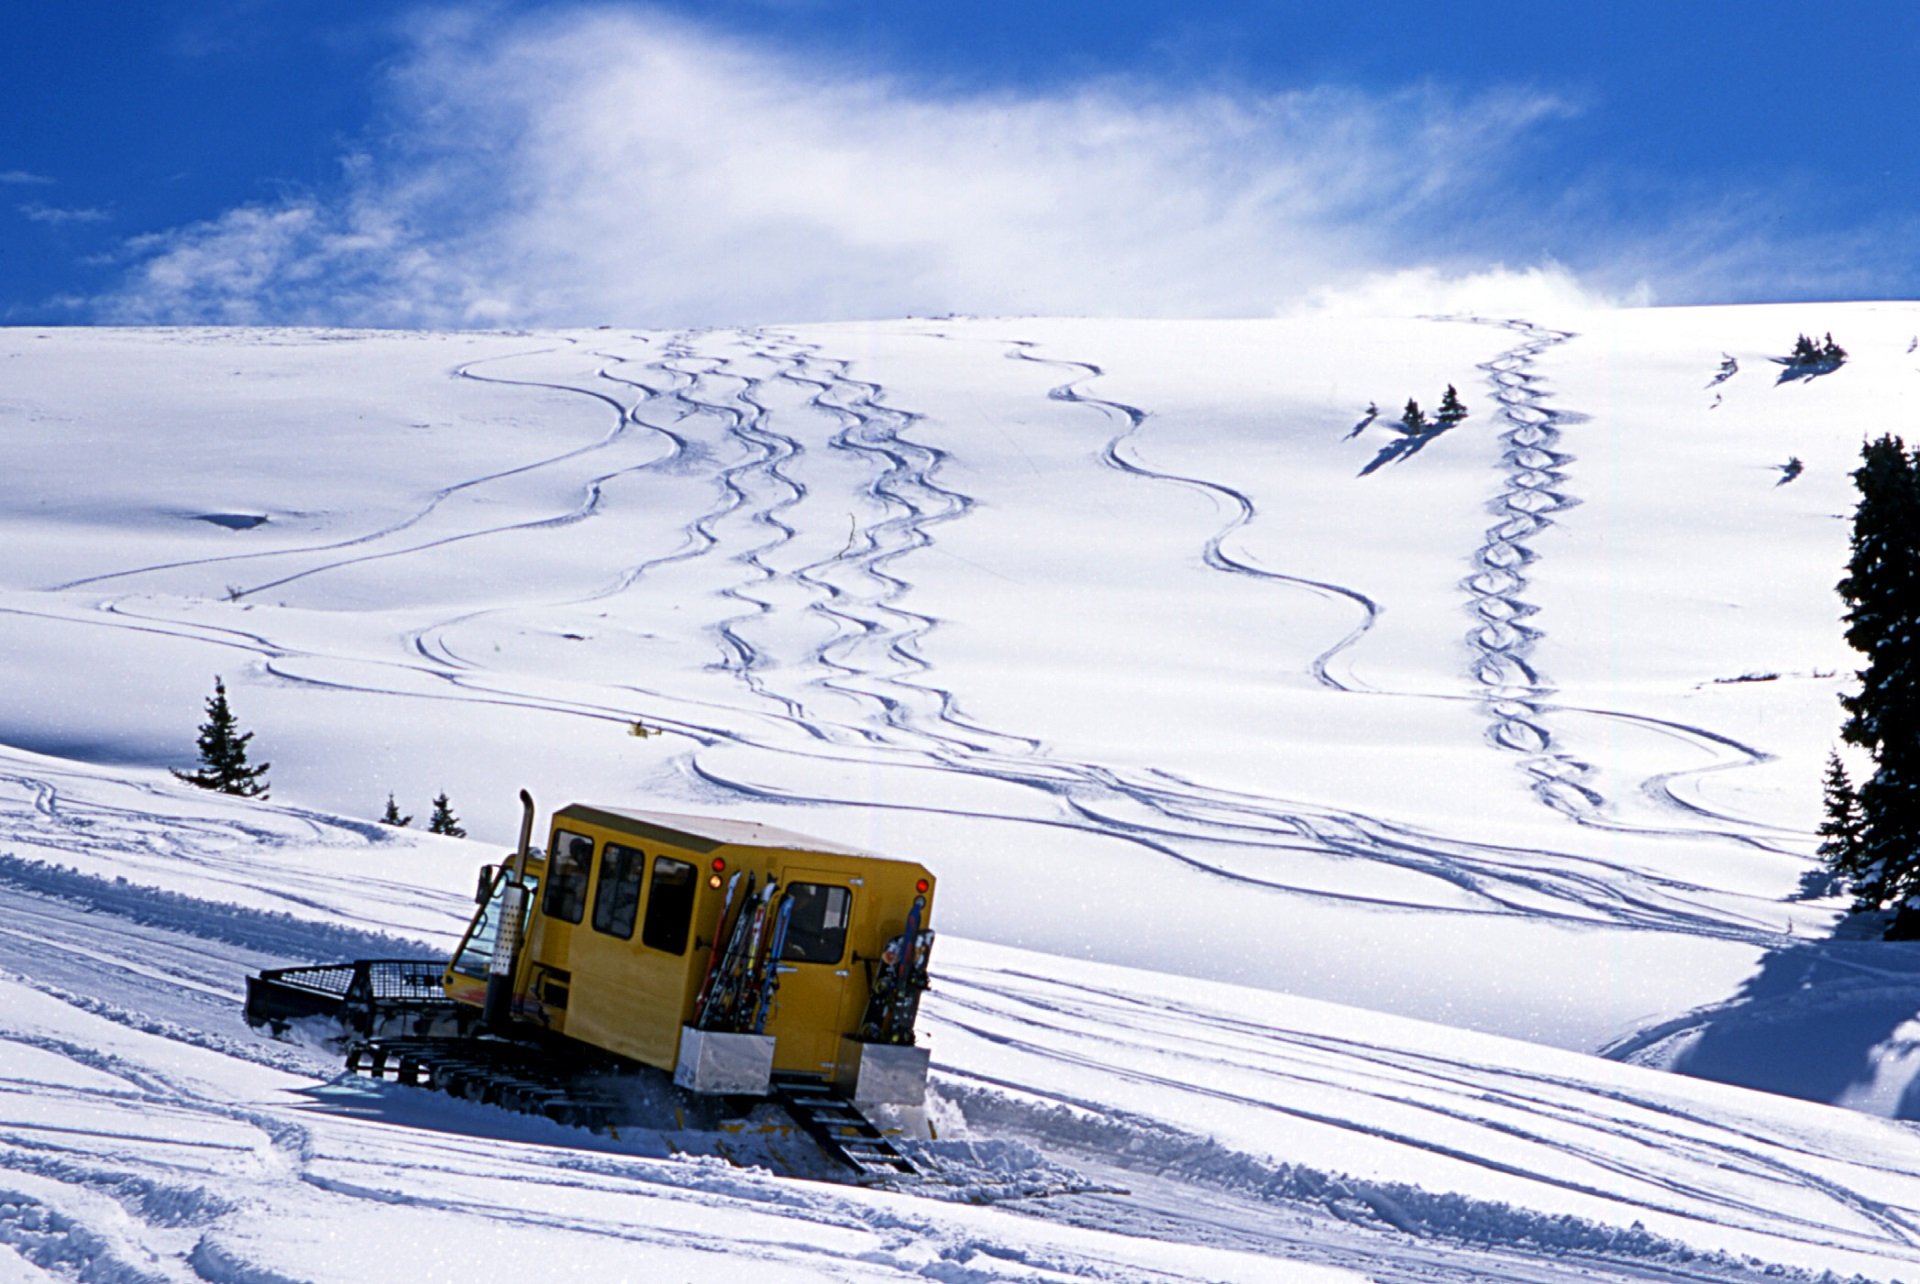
(1502, 642)
(1182, 820)
(877, 657)
(151, 1177)
(1119, 454)
(715, 412)
(1547, 1126)
(873, 651)
(434, 502)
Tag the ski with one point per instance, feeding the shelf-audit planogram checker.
(775, 948)
(891, 983)
(737, 974)
(722, 930)
(711, 1014)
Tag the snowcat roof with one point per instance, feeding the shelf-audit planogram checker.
(703, 833)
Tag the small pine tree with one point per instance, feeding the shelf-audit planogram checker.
(443, 821)
(1452, 410)
(393, 816)
(223, 753)
(1843, 826)
(1825, 353)
(1413, 419)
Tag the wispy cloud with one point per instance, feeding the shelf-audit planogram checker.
(1544, 288)
(624, 166)
(22, 178)
(55, 215)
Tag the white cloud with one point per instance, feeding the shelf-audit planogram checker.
(38, 213)
(23, 178)
(625, 167)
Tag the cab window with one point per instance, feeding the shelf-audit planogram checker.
(669, 906)
(568, 868)
(617, 899)
(817, 929)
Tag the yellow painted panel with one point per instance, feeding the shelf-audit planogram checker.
(630, 999)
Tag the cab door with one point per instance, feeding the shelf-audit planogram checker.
(631, 959)
(822, 988)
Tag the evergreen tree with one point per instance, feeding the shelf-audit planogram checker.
(1451, 410)
(223, 752)
(393, 816)
(1413, 419)
(443, 821)
(1826, 353)
(1882, 593)
(1840, 830)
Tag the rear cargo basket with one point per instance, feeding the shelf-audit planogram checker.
(361, 996)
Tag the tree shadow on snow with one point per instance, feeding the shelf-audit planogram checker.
(1834, 1021)
(1400, 449)
(1800, 371)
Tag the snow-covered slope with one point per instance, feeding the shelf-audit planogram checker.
(1170, 657)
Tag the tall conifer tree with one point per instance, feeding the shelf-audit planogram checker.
(1882, 593)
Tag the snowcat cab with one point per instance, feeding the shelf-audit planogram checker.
(745, 960)
(725, 951)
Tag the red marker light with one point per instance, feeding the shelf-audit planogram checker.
(719, 864)
(922, 886)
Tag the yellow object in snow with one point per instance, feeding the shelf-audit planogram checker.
(623, 928)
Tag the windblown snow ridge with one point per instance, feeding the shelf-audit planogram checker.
(1150, 1145)
(268, 931)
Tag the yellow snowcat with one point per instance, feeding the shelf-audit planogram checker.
(747, 961)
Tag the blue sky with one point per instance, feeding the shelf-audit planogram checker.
(742, 160)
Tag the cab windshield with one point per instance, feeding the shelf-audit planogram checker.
(476, 951)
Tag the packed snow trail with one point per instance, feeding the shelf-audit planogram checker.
(1548, 1124)
(1318, 1135)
